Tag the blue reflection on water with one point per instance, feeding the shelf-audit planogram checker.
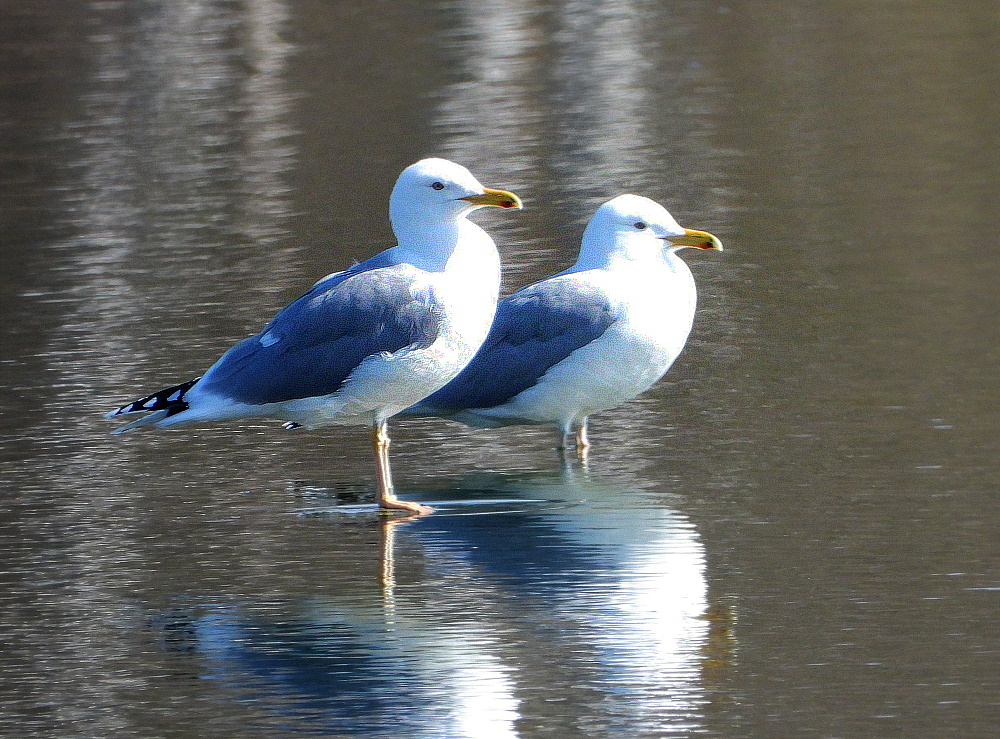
(329, 675)
(541, 604)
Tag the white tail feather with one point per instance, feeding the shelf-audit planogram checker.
(146, 420)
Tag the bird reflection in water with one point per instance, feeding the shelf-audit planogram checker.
(550, 602)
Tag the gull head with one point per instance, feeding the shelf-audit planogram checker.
(635, 227)
(439, 191)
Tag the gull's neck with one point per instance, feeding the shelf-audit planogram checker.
(431, 245)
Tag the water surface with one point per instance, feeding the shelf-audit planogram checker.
(793, 535)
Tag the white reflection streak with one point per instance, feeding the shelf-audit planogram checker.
(601, 98)
(478, 692)
(487, 123)
(107, 195)
(165, 156)
(645, 622)
(486, 118)
(482, 694)
(661, 601)
(268, 103)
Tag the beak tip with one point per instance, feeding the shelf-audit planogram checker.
(511, 201)
(699, 239)
(499, 198)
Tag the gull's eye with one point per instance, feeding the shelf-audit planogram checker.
(438, 186)
(639, 225)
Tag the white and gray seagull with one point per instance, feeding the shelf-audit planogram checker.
(589, 338)
(363, 344)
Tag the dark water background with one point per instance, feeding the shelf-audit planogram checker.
(795, 534)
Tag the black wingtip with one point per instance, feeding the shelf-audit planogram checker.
(170, 399)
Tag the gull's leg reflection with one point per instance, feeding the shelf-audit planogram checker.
(583, 443)
(564, 432)
(719, 651)
(580, 444)
(387, 564)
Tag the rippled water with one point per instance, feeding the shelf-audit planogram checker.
(793, 535)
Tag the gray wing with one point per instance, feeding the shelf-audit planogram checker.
(535, 328)
(316, 342)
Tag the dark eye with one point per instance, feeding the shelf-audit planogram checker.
(438, 186)
(639, 225)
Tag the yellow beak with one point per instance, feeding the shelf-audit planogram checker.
(697, 239)
(499, 198)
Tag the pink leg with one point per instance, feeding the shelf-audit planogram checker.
(383, 476)
(582, 439)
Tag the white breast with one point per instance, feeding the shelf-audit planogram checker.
(656, 307)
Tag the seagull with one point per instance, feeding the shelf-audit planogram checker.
(363, 344)
(589, 338)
